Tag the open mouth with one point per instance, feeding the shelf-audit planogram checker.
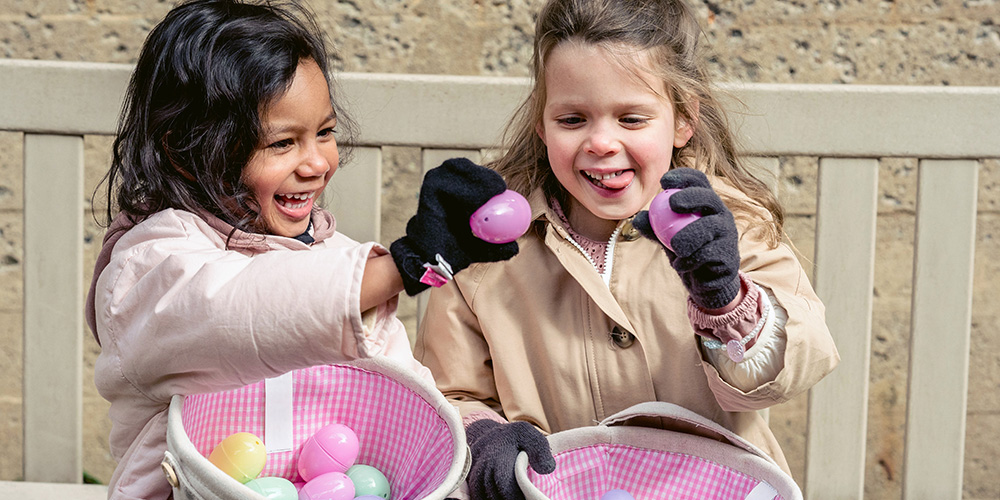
(293, 202)
(619, 179)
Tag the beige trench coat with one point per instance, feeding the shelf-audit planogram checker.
(531, 337)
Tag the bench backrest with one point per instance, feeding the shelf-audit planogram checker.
(848, 127)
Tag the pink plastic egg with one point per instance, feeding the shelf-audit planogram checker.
(333, 448)
(329, 486)
(241, 456)
(666, 223)
(502, 219)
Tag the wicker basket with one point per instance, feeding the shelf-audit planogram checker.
(405, 427)
(654, 464)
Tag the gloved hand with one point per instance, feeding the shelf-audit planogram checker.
(706, 253)
(494, 448)
(440, 229)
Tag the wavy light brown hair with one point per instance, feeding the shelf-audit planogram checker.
(666, 34)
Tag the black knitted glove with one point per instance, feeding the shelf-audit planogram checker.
(449, 195)
(494, 448)
(706, 253)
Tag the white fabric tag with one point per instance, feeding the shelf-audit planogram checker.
(762, 491)
(278, 413)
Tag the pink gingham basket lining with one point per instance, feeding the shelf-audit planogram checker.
(589, 472)
(399, 432)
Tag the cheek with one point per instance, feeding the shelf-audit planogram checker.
(560, 147)
(656, 148)
(252, 174)
(654, 158)
(560, 160)
(333, 158)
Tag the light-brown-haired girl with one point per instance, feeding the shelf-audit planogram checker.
(595, 314)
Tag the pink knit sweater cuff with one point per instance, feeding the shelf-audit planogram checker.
(482, 415)
(732, 325)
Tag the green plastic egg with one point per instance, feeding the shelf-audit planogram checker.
(274, 488)
(368, 481)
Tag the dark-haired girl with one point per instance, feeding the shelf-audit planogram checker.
(218, 269)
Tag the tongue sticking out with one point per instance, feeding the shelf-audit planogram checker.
(620, 181)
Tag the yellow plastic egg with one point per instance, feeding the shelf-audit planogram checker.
(241, 456)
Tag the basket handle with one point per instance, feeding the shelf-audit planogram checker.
(663, 409)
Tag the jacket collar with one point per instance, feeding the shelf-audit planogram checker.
(558, 240)
(323, 225)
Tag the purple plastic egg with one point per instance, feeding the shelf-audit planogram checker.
(329, 486)
(666, 223)
(333, 448)
(502, 219)
(617, 495)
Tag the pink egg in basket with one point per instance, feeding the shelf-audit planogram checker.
(665, 222)
(502, 219)
(329, 486)
(333, 448)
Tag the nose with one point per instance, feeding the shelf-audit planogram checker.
(313, 163)
(602, 141)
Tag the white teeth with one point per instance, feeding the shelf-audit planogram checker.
(602, 177)
(285, 200)
(293, 206)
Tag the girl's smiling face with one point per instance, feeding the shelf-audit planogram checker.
(608, 135)
(298, 153)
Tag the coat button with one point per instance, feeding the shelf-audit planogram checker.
(622, 338)
(629, 232)
(168, 471)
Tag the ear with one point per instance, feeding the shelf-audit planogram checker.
(540, 130)
(684, 127)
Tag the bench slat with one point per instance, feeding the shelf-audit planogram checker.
(767, 168)
(940, 329)
(354, 195)
(844, 275)
(61, 97)
(52, 491)
(53, 308)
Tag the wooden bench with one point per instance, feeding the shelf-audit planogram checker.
(848, 127)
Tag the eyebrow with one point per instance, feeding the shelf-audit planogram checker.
(292, 128)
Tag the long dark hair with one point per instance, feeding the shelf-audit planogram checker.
(192, 114)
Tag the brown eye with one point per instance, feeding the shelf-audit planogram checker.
(282, 144)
